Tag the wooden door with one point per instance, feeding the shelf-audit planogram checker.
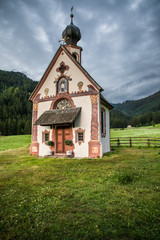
(62, 134)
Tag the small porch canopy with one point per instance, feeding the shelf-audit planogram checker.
(56, 117)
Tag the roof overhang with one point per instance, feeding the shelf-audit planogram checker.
(58, 117)
(105, 102)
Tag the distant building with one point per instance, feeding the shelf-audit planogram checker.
(68, 104)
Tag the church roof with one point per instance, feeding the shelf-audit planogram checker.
(105, 102)
(56, 116)
(53, 61)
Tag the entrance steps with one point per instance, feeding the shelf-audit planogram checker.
(60, 155)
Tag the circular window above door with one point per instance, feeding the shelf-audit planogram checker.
(63, 104)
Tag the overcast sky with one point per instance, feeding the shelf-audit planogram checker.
(120, 41)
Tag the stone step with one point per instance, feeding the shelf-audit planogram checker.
(60, 155)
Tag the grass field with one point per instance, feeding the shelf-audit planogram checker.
(115, 197)
(149, 131)
(11, 142)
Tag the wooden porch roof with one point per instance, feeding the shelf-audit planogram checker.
(56, 117)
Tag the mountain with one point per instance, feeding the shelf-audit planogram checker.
(142, 106)
(15, 109)
(142, 112)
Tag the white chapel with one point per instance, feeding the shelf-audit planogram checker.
(68, 106)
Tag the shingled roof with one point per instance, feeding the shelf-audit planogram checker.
(105, 102)
(56, 116)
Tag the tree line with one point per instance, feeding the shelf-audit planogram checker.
(15, 112)
(120, 120)
(15, 108)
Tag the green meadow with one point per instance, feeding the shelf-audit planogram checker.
(114, 197)
(16, 141)
(148, 131)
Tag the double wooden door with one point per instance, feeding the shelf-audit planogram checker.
(62, 133)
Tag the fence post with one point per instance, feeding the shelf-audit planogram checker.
(148, 142)
(118, 142)
(130, 142)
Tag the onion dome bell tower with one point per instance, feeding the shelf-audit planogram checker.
(71, 35)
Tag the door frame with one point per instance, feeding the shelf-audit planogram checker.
(63, 127)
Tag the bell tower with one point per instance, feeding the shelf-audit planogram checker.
(71, 35)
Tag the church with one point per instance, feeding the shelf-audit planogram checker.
(69, 110)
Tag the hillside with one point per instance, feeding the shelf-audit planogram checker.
(15, 109)
(141, 106)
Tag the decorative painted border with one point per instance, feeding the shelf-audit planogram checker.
(58, 82)
(54, 59)
(79, 130)
(34, 148)
(43, 133)
(59, 97)
(94, 144)
(59, 69)
(94, 118)
(72, 94)
(94, 149)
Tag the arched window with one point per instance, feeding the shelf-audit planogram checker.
(62, 85)
(63, 104)
(74, 55)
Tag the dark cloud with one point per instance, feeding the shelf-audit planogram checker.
(120, 40)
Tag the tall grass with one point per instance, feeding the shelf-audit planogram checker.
(115, 197)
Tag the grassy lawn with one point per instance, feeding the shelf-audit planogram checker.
(149, 131)
(10, 142)
(115, 197)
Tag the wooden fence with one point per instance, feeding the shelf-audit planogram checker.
(135, 141)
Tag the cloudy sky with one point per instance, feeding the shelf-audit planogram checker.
(120, 41)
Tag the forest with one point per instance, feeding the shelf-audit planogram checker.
(142, 112)
(119, 120)
(16, 109)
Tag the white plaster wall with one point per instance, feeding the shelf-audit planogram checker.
(43, 106)
(75, 73)
(105, 141)
(49, 82)
(83, 121)
(77, 76)
(76, 50)
(43, 148)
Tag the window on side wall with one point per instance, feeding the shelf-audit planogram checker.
(45, 136)
(79, 135)
(103, 122)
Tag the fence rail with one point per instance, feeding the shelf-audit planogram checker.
(135, 141)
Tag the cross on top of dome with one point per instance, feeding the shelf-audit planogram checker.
(71, 35)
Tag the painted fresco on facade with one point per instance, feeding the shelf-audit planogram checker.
(69, 110)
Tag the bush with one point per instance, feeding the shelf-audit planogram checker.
(50, 143)
(68, 142)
